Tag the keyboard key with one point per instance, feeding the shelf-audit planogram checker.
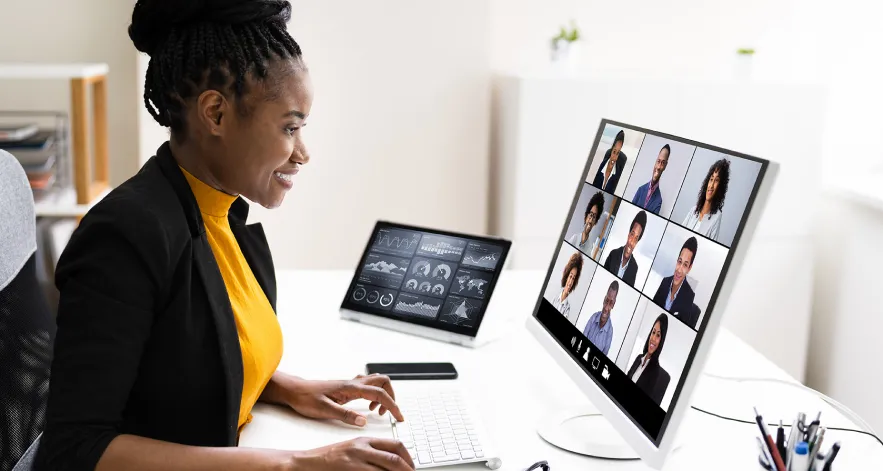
(479, 454)
(437, 449)
(422, 447)
(424, 458)
(467, 455)
(446, 458)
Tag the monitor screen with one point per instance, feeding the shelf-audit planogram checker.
(432, 278)
(640, 261)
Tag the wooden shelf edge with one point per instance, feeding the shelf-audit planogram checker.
(55, 210)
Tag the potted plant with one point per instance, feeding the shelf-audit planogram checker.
(742, 67)
(565, 44)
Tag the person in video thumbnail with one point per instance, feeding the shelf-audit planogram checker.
(599, 329)
(569, 281)
(611, 167)
(646, 371)
(593, 213)
(675, 293)
(649, 196)
(705, 217)
(620, 261)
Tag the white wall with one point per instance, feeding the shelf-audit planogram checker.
(645, 37)
(399, 128)
(848, 317)
(75, 31)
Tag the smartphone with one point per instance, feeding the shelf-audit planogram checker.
(402, 371)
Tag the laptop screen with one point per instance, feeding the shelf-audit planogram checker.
(432, 278)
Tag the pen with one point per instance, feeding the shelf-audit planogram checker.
(811, 430)
(764, 457)
(831, 455)
(801, 460)
(771, 445)
(816, 444)
(780, 440)
(792, 440)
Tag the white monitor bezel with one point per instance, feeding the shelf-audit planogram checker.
(654, 456)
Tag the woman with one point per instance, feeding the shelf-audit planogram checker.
(594, 210)
(167, 334)
(705, 217)
(612, 165)
(569, 280)
(646, 371)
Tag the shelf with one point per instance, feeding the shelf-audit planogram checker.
(63, 204)
(34, 71)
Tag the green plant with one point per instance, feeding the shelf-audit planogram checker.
(745, 51)
(569, 35)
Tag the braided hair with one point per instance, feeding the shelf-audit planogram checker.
(196, 45)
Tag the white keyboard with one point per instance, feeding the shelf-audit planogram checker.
(439, 430)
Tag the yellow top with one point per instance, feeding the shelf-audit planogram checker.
(260, 337)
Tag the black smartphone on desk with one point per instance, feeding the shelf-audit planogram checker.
(413, 371)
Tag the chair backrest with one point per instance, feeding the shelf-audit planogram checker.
(27, 331)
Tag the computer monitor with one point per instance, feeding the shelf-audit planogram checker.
(655, 235)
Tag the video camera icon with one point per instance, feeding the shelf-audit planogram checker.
(605, 373)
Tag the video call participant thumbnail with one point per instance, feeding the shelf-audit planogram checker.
(705, 217)
(593, 212)
(620, 261)
(599, 329)
(569, 281)
(649, 196)
(675, 293)
(612, 166)
(646, 371)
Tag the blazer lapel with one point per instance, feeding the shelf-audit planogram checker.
(253, 243)
(216, 291)
(225, 323)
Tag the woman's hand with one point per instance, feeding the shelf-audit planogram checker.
(361, 454)
(325, 399)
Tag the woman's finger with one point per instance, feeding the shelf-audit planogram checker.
(390, 455)
(382, 381)
(346, 415)
(376, 394)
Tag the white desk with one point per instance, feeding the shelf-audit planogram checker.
(516, 384)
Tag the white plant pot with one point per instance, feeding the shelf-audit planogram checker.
(742, 66)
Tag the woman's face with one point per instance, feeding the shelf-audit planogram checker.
(655, 338)
(713, 183)
(614, 151)
(262, 149)
(571, 281)
(591, 219)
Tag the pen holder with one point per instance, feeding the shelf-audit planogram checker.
(816, 466)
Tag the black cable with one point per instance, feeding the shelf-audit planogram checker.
(752, 422)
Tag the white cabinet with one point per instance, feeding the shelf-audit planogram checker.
(544, 127)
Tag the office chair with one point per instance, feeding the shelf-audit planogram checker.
(27, 330)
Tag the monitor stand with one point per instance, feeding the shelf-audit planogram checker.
(586, 432)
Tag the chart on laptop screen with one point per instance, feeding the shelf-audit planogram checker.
(437, 279)
(639, 264)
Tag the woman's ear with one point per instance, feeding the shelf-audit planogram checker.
(212, 108)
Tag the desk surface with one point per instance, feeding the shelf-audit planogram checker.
(516, 384)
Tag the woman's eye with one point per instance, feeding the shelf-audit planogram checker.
(291, 131)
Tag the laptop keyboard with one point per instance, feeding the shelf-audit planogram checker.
(439, 429)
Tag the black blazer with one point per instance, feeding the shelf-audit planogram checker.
(614, 259)
(683, 307)
(653, 381)
(614, 179)
(147, 342)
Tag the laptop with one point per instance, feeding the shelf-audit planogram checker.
(427, 282)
